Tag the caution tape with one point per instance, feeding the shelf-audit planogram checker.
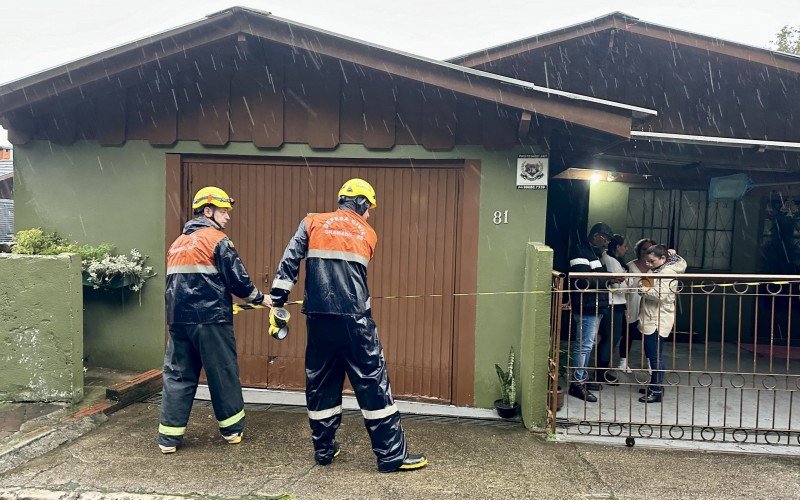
(237, 308)
(246, 307)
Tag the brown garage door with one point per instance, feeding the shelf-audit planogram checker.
(417, 224)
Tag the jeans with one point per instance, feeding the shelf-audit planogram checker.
(653, 349)
(609, 335)
(586, 326)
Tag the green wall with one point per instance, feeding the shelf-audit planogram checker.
(93, 195)
(535, 340)
(41, 328)
(117, 194)
(608, 202)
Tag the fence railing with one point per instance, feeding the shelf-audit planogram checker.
(726, 367)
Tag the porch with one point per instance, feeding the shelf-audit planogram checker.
(728, 381)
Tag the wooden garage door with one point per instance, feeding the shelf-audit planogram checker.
(416, 221)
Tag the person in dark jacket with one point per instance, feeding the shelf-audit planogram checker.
(342, 337)
(589, 300)
(203, 270)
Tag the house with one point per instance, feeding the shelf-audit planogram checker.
(723, 108)
(111, 147)
(728, 117)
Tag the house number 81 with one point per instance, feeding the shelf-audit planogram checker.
(500, 217)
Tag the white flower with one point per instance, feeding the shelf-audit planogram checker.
(112, 269)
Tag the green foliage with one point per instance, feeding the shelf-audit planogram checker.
(37, 242)
(101, 268)
(788, 40)
(507, 383)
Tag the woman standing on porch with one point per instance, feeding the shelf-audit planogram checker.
(613, 325)
(657, 313)
(639, 266)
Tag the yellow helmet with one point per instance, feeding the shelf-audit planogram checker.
(211, 195)
(359, 187)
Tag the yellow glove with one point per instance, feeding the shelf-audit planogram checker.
(278, 319)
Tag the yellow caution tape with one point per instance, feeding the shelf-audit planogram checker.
(245, 307)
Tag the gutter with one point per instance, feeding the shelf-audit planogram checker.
(703, 140)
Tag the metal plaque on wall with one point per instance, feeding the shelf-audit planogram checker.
(532, 171)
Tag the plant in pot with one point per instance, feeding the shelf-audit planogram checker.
(101, 269)
(507, 406)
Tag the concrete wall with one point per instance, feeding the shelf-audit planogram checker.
(41, 328)
(117, 195)
(535, 338)
(92, 195)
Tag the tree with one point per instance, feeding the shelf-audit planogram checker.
(788, 40)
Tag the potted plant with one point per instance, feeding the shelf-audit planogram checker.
(100, 268)
(507, 406)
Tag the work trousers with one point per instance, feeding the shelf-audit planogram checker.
(339, 345)
(190, 348)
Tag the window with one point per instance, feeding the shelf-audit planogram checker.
(700, 230)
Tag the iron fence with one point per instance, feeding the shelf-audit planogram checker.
(731, 360)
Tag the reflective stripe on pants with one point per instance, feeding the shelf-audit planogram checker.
(346, 344)
(190, 348)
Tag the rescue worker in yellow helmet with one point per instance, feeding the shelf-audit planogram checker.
(203, 270)
(342, 337)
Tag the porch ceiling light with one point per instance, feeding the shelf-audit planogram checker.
(592, 175)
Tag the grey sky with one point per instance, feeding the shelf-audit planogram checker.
(39, 34)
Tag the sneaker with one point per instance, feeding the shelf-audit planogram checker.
(580, 391)
(623, 366)
(593, 386)
(650, 397)
(234, 438)
(413, 462)
(167, 449)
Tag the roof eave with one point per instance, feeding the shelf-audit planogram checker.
(230, 22)
(620, 20)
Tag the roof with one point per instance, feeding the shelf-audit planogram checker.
(237, 21)
(623, 21)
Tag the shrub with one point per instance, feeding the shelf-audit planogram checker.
(101, 268)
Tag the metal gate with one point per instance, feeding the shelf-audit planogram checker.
(731, 362)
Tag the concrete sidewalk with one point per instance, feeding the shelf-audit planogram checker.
(469, 459)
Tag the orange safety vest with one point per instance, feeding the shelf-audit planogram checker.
(194, 253)
(342, 235)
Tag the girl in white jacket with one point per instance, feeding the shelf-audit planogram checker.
(657, 313)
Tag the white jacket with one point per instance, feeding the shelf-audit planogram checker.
(657, 309)
(633, 299)
(618, 290)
